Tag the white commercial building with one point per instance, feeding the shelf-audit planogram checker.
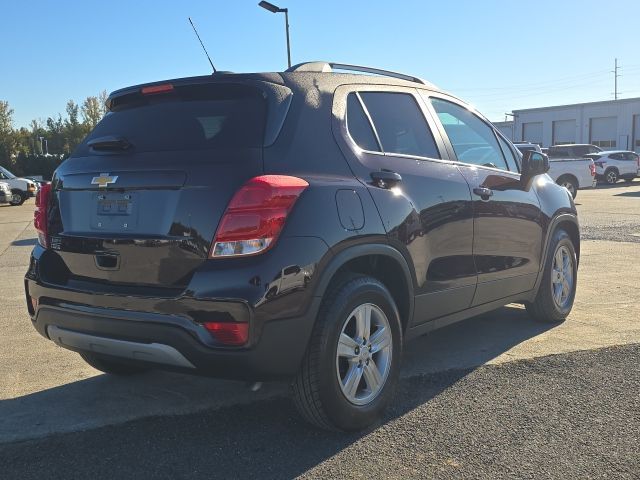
(611, 125)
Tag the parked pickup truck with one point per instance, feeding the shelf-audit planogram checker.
(571, 173)
(21, 188)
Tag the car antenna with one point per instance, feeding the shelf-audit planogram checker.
(205, 50)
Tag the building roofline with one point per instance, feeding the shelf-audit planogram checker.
(555, 107)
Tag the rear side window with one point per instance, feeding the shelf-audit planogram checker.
(472, 139)
(359, 126)
(190, 118)
(400, 124)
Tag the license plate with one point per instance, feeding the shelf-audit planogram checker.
(122, 205)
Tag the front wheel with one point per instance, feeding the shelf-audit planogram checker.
(611, 176)
(352, 363)
(557, 290)
(17, 198)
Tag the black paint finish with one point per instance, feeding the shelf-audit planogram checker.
(130, 260)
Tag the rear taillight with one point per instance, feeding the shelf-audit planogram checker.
(256, 214)
(40, 214)
(229, 333)
(592, 168)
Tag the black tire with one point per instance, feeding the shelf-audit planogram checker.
(18, 198)
(112, 367)
(544, 308)
(570, 183)
(611, 176)
(316, 390)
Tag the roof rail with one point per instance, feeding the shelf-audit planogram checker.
(328, 67)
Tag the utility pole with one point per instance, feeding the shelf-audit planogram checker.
(615, 79)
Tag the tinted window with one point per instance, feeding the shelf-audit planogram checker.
(508, 154)
(400, 124)
(616, 156)
(472, 139)
(192, 119)
(359, 126)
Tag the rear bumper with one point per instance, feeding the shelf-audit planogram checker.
(146, 340)
(155, 327)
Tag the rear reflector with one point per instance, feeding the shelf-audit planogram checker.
(40, 214)
(164, 88)
(256, 215)
(229, 333)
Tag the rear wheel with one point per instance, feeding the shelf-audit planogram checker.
(570, 184)
(352, 363)
(557, 290)
(611, 176)
(113, 367)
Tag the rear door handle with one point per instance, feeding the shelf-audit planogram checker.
(385, 178)
(483, 192)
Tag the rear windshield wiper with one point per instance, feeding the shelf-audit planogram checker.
(109, 143)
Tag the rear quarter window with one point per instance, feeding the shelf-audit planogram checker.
(192, 118)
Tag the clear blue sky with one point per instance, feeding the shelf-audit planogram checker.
(498, 55)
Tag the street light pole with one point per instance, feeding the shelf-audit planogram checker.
(275, 9)
(286, 20)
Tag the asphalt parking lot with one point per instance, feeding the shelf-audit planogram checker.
(494, 396)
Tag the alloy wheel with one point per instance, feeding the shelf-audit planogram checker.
(364, 354)
(562, 277)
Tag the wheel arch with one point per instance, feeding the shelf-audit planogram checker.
(380, 261)
(569, 223)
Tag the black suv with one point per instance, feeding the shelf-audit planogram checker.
(301, 225)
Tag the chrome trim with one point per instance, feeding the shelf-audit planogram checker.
(148, 352)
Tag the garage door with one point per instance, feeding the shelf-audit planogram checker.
(532, 132)
(564, 131)
(603, 131)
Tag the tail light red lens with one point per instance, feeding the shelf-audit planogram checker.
(592, 167)
(256, 215)
(229, 333)
(40, 214)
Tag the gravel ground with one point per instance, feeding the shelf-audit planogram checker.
(600, 210)
(574, 415)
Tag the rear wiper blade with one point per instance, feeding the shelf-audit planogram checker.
(109, 143)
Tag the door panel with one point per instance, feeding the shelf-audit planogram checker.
(508, 232)
(508, 223)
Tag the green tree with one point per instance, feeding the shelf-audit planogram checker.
(91, 112)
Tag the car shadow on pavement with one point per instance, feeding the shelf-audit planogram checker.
(25, 242)
(627, 194)
(255, 434)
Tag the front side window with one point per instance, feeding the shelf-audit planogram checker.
(508, 154)
(400, 124)
(472, 139)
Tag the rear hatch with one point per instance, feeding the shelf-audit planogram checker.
(139, 201)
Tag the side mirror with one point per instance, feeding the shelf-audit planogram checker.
(533, 163)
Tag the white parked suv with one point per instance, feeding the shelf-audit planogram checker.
(21, 188)
(614, 165)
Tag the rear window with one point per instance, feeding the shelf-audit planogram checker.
(189, 118)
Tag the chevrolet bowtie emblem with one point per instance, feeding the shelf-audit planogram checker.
(104, 179)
